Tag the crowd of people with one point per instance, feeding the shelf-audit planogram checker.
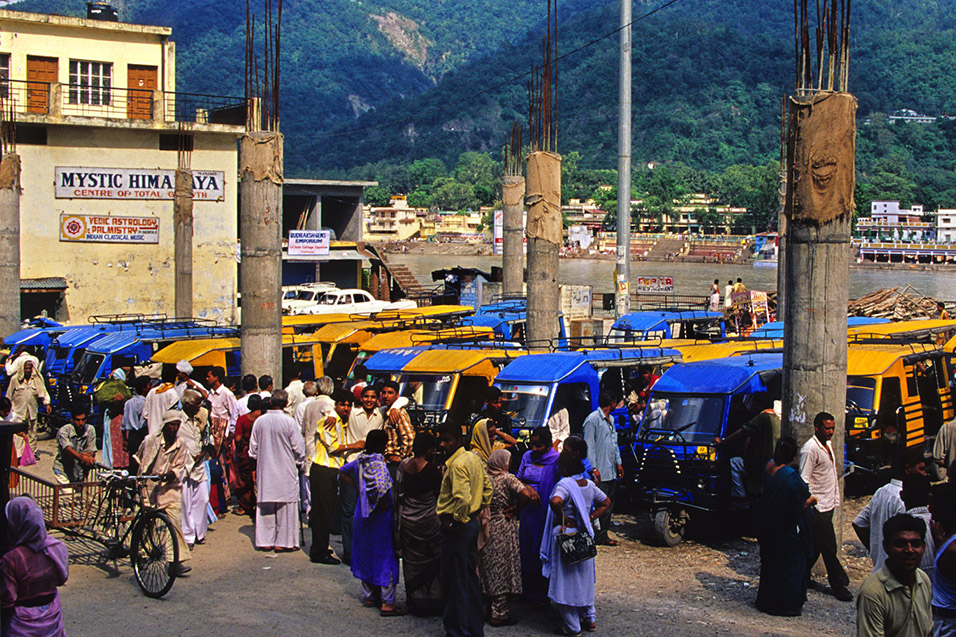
(453, 511)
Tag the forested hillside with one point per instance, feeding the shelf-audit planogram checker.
(371, 87)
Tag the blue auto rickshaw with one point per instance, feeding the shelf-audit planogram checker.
(679, 468)
(668, 324)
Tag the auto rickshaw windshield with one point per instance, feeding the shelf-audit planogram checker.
(692, 419)
(427, 391)
(860, 392)
(525, 403)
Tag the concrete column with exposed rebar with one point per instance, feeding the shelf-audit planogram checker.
(622, 286)
(10, 244)
(183, 241)
(820, 184)
(544, 240)
(512, 239)
(260, 270)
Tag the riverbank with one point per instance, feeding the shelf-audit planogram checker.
(398, 249)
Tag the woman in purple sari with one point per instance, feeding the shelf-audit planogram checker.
(538, 470)
(373, 555)
(30, 574)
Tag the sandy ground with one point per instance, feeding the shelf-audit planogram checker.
(704, 586)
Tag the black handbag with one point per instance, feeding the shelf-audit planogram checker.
(576, 548)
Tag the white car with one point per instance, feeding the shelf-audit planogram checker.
(353, 302)
(296, 297)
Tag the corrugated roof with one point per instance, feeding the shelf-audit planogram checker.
(719, 376)
(45, 283)
(872, 359)
(449, 361)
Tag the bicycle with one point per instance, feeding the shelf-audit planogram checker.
(119, 519)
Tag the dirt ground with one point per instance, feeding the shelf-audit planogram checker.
(704, 586)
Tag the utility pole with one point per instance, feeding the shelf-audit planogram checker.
(512, 198)
(183, 227)
(820, 183)
(622, 293)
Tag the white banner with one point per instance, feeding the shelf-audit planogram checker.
(655, 284)
(498, 232)
(309, 244)
(73, 182)
(108, 229)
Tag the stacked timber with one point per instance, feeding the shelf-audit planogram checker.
(895, 304)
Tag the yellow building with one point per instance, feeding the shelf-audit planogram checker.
(98, 125)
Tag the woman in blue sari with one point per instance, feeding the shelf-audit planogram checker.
(784, 534)
(538, 470)
(373, 556)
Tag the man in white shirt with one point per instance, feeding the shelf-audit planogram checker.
(249, 387)
(819, 470)
(884, 504)
(294, 390)
(309, 391)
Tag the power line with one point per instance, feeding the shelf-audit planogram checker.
(507, 81)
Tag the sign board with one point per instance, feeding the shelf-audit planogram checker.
(655, 285)
(760, 305)
(72, 182)
(309, 244)
(740, 299)
(109, 229)
(498, 232)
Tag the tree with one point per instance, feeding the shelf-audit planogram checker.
(424, 172)
(420, 198)
(482, 172)
(449, 194)
(377, 196)
(754, 188)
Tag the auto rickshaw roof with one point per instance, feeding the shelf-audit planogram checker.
(451, 361)
(392, 359)
(556, 366)
(709, 351)
(655, 320)
(717, 376)
(192, 349)
(872, 359)
(774, 329)
(916, 328)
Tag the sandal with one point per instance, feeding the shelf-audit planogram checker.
(370, 603)
(611, 542)
(394, 612)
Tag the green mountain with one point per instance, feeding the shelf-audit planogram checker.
(373, 84)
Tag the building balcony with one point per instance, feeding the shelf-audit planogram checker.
(109, 106)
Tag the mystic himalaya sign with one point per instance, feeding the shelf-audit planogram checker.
(73, 182)
(108, 229)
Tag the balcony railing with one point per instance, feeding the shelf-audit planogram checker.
(110, 102)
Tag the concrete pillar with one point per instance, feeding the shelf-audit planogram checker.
(183, 241)
(820, 184)
(10, 244)
(781, 241)
(544, 240)
(512, 246)
(260, 271)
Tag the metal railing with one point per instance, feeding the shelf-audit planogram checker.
(111, 102)
(64, 505)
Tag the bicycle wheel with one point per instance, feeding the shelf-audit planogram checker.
(155, 554)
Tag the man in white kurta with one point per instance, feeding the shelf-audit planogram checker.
(277, 446)
(27, 392)
(195, 437)
(159, 400)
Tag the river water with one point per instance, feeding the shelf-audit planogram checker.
(694, 278)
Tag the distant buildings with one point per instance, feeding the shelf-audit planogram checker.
(897, 234)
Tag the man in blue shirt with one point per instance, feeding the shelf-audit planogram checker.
(605, 456)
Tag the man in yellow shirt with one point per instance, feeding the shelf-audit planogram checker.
(329, 457)
(465, 490)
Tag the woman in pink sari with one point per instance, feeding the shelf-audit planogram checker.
(30, 574)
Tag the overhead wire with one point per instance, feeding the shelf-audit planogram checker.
(506, 82)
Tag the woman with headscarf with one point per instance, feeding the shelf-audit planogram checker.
(245, 466)
(500, 572)
(538, 470)
(417, 484)
(111, 396)
(573, 506)
(30, 574)
(373, 556)
(485, 438)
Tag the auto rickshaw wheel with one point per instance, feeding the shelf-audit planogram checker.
(669, 525)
